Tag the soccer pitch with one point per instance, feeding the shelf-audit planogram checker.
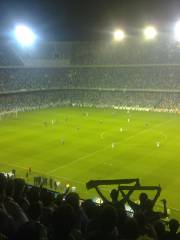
(75, 145)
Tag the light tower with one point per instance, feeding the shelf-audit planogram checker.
(177, 31)
(24, 35)
(119, 35)
(150, 33)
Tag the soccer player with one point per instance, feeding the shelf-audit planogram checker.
(121, 130)
(29, 170)
(157, 144)
(128, 120)
(14, 172)
(113, 145)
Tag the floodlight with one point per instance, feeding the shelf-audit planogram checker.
(177, 31)
(24, 35)
(150, 32)
(119, 35)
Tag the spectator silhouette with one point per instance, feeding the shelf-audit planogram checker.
(7, 224)
(145, 205)
(19, 194)
(107, 224)
(114, 194)
(173, 230)
(80, 218)
(12, 207)
(63, 222)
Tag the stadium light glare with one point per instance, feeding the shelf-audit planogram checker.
(177, 31)
(150, 33)
(119, 35)
(24, 35)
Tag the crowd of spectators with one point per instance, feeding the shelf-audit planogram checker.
(152, 83)
(44, 99)
(35, 213)
(154, 77)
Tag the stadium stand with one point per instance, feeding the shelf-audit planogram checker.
(136, 77)
(133, 74)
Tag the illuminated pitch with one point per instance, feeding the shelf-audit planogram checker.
(150, 33)
(24, 35)
(119, 35)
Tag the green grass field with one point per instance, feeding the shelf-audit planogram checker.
(87, 151)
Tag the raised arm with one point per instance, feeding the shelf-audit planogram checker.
(126, 199)
(101, 195)
(154, 200)
(165, 213)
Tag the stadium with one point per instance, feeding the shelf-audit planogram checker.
(71, 112)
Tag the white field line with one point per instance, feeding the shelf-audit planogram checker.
(14, 165)
(41, 173)
(104, 148)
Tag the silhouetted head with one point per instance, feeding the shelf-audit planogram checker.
(173, 225)
(143, 197)
(73, 199)
(114, 194)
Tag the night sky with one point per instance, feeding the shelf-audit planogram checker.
(87, 19)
